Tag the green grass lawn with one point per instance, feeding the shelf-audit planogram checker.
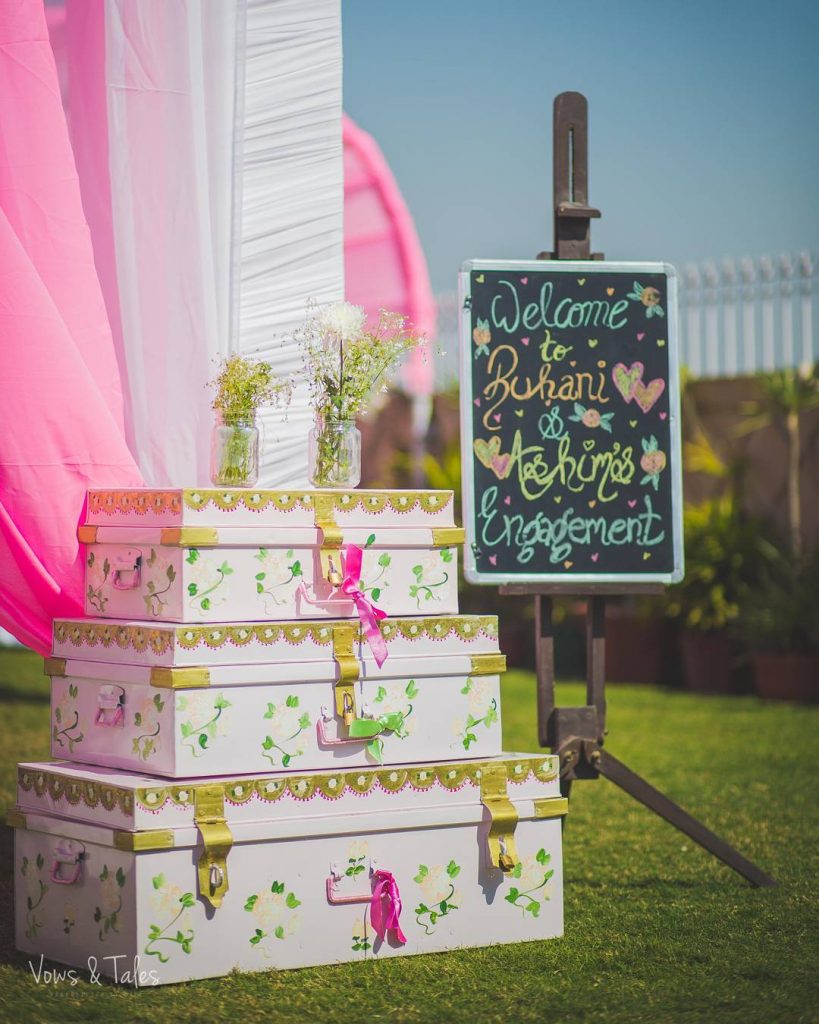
(656, 930)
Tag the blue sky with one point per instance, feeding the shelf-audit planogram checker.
(704, 121)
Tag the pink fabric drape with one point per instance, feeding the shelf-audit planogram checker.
(61, 425)
(384, 264)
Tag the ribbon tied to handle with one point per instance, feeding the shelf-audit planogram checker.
(385, 906)
(369, 615)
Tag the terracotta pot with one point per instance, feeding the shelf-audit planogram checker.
(787, 676)
(707, 662)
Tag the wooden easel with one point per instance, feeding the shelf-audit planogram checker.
(577, 735)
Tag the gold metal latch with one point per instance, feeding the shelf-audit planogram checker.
(331, 538)
(209, 817)
(348, 671)
(502, 850)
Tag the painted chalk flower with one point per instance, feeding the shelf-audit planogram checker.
(482, 336)
(652, 462)
(592, 418)
(649, 297)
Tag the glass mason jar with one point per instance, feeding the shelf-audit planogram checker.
(234, 452)
(334, 453)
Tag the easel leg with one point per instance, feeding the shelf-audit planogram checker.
(545, 669)
(641, 790)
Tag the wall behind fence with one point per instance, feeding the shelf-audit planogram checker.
(737, 317)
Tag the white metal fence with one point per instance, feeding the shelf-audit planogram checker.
(737, 317)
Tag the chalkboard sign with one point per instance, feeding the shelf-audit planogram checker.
(570, 422)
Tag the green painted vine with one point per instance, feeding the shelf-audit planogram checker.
(523, 898)
(33, 900)
(196, 738)
(68, 734)
(265, 586)
(153, 599)
(425, 585)
(286, 717)
(428, 915)
(95, 595)
(183, 939)
(107, 918)
(202, 598)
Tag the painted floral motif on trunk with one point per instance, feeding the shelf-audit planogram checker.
(440, 896)
(97, 577)
(106, 912)
(204, 723)
(392, 713)
(147, 720)
(65, 732)
(274, 912)
(483, 711)
(287, 723)
(207, 582)
(36, 889)
(171, 905)
(278, 577)
(431, 573)
(162, 577)
(531, 876)
(374, 577)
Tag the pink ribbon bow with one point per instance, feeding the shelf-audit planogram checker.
(370, 615)
(385, 906)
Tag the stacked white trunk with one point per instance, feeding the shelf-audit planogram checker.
(280, 758)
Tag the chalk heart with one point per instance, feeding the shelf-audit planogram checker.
(625, 378)
(646, 395)
(632, 423)
(480, 279)
(661, 343)
(581, 281)
(572, 362)
(646, 555)
(507, 500)
(632, 503)
(593, 342)
(593, 502)
(524, 341)
(568, 565)
(663, 415)
(596, 555)
(493, 559)
(557, 499)
(496, 417)
(588, 445)
(601, 364)
(501, 464)
(641, 335)
(477, 402)
(487, 450)
(519, 413)
(609, 291)
(524, 280)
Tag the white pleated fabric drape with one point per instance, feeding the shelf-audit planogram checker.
(224, 152)
(291, 174)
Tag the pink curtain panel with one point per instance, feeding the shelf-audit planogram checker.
(61, 427)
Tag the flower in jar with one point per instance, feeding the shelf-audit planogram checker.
(342, 321)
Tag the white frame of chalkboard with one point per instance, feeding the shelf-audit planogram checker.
(584, 267)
